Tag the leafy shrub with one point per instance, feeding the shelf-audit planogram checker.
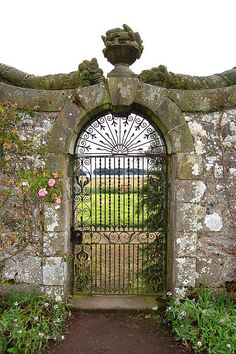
(208, 322)
(27, 323)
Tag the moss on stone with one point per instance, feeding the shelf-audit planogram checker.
(160, 76)
(88, 73)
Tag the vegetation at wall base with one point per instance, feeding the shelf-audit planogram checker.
(206, 322)
(29, 322)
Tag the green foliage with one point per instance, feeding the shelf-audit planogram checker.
(32, 181)
(153, 199)
(27, 323)
(207, 322)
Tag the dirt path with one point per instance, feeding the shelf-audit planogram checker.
(111, 333)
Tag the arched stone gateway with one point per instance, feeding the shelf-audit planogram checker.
(118, 98)
(119, 207)
(192, 131)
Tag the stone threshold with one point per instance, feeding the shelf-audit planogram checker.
(116, 303)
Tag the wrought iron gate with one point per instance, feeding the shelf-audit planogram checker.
(119, 193)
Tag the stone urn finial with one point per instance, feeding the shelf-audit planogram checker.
(122, 48)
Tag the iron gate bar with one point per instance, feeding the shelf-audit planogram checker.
(122, 232)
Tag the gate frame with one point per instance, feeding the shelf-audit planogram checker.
(94, 156)
(120, 95)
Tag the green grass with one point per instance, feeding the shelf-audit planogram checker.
(111, 210)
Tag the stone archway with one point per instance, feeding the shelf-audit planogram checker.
(124, 95)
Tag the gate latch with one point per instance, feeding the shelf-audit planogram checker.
(76, 236)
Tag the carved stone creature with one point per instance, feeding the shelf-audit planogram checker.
(88, 73)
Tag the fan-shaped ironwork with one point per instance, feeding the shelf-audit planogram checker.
(113, 135)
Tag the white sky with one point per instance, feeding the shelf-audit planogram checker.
(195, 37)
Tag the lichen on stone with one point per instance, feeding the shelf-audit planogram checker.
(88, 73)
(123, 36)
(160, 76)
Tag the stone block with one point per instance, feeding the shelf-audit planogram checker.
(71, 115)
(21, 289)
(189, 217)
(204, 100)
(185, 272)
(149, 96)
(58, 162)
(189, 166)
(190, 191)
(186, 244)
(53, 271)
(53, 243)
(43, 100)
(122, 90)
(60, 139)
(56, 292)
(180, 139)
(170, 114)
(24, 268)
(56, 219)
(92, 97)
(214, 270)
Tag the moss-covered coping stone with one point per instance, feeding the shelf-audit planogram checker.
(204, 100)
(160, 76)
(88, 73)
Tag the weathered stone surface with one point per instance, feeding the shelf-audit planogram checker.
(24, 269)
(56, 219)
(7, 289)
(204, 100)
(60, 140)
(53, 271)
(190, 191)
(215, 270)
(56, 292)
(189, 217)
(122, 91)
(171, 115)
(185, 270)
(92, 97)
(53, 243)
(189, 166)
(149, 96)
(180, 139)
(58, 162)
(186, 244)
(63, 134)
(42, 100)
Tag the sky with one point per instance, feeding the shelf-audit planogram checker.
(195, 37)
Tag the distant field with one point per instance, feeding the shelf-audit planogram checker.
(126, 183)
(112, 209)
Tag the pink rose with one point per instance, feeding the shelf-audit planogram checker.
(42, 192)
(51, 182)
(58, 200)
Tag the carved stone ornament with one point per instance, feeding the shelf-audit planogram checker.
(122, 48)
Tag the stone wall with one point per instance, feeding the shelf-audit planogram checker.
(199, 129)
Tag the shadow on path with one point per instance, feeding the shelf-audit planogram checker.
(116, 333)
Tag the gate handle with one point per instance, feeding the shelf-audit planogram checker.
(76, 236)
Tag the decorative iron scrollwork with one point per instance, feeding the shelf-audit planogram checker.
(112, 135)
(119, 192)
